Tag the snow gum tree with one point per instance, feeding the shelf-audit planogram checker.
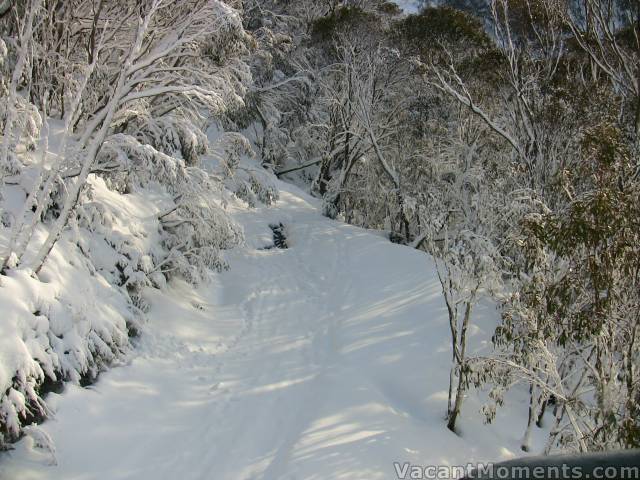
(559, 339)
(147, 74)
(582, 316)
(484, 118)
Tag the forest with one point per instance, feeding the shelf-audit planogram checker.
(499, 138)
(502, 138)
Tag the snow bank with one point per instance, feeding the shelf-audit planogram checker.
(76, 316)
(154, 219)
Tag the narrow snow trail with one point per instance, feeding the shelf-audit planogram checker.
(327, 360)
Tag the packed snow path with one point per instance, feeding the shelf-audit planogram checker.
(326, 360)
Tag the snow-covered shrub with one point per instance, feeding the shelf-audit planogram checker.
(65, 329)
(275, 142)
(231, 147)
(127, 163)
(173, 135)
(12, 165)
(76, 317)
(197, 229)
(27, 123)
(127, 259)
(255, 186)
(179, 134)
(249, 183)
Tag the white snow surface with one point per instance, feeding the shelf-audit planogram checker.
(327, 360)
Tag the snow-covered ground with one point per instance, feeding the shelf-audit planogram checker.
(327, 360)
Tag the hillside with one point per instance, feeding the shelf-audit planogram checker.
(323, 360)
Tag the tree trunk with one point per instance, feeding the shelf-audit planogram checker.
(457, 407)
(462, 367)
(531, 420)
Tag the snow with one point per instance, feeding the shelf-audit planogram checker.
(326, 360)
(64, 322)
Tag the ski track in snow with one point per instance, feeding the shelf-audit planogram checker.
(327, 360)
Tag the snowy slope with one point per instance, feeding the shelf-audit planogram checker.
(327, 360)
